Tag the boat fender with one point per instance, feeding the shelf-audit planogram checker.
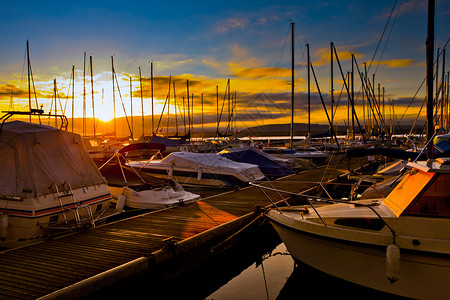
(121, 202)
(199, 174)
(393, 263)
(171, 171)
(4, 222)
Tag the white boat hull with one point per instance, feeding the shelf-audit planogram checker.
(31, 219)
(365, 264)
(152, 199)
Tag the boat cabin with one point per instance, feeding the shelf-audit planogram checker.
(423, 191)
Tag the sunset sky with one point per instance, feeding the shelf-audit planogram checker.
(207, 43)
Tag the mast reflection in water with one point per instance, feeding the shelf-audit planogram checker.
(259, 268)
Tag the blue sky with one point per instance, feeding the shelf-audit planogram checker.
(212, 41)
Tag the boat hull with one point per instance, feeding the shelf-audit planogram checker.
(422, 275)
(27, 220)
(152, 199)
(193, 179)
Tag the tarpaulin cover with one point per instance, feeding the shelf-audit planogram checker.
(250, 155)
(165, 141)
(34, 157)
(143, 146)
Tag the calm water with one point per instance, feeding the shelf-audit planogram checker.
(259, 269)
(277, 276)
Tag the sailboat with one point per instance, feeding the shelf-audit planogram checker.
(399, 244)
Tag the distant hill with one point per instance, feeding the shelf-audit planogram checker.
(301, 129)
(285, 129)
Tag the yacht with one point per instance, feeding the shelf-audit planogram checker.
(48, 182)
(399, 244)
(131, 189)
(200, 170)
(309, 153)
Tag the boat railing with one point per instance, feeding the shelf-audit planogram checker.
(308, 198)
(33, 112)
(311, 198)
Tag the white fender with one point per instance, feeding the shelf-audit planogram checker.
(171, 171)
(121, 202)
(4, 222)
(393, 263)
(199, 174)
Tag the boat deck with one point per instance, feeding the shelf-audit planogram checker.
(59, 267)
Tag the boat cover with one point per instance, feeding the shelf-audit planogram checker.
(165, 141)
(268, 164)
(34, 157)
(442, 144)
(143, 146)
(209, 161)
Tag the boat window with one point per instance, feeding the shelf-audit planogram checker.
(94, 143)
(53, 219)
(435, 201)
(99, 207)
(361, 223)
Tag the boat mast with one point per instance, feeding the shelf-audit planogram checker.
(217, 110)
(292, 84)
(142, 101)
(73, 93)
(188, 104)
(131, 104)
(352, 82)
(114, 96)
(429, 69)
(443, 90)
(29, 77)
(56, 107)
(175, 108)
(92, 89)
(84, 93)
(153, 113)
(203, 134)
(192, 115)
(331, 87)
(184, 116)
(168, 107)
(309, 89)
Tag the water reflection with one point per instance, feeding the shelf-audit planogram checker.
(277, 276)
(264, 279)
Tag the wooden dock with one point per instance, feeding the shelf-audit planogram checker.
(73, 266)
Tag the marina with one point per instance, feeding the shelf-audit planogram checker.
(323, 174)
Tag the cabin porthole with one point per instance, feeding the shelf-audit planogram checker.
(416, 242)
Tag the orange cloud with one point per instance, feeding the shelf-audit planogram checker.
(262, 72)
(397, 63)
(322, 56)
